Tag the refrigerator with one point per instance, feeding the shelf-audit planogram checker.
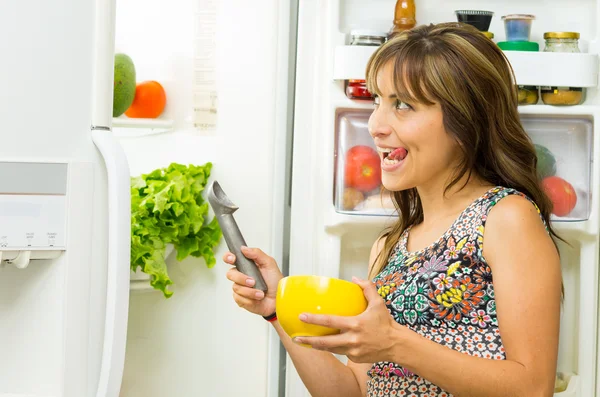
(77, 322)
(64, 203)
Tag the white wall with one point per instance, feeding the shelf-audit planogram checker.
(199, 343)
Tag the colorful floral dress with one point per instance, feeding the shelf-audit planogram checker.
(444, 292)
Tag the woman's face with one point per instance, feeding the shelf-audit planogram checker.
(414, 147)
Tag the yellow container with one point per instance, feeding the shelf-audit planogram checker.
(317, 295)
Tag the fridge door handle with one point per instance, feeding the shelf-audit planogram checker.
(117, 285)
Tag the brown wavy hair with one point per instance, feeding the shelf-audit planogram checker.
(456, 66)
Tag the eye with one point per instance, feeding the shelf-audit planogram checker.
(376, 100)
(402, 106)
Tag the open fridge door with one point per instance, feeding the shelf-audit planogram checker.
(343, 226)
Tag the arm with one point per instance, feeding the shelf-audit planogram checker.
(527, 282)
(321, 372)
(349, 381)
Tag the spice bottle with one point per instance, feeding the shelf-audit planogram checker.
(565, 96)
(357, 89)
(405, 17)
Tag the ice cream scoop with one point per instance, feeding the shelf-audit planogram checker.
(224, 209)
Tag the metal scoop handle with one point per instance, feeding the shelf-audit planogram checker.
(224, 209)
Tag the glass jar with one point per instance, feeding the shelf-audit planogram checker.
(357, 89)
(367, 37)
(561, 42)
(528, 95)
(562, 96)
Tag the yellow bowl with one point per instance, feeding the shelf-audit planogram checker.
(318, 295)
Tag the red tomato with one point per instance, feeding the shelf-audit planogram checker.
(561, 193)
(363, 168)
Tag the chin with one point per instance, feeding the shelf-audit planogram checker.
(395, 185)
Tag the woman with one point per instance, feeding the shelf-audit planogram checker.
(446, 315)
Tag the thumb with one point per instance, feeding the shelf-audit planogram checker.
(368, 288)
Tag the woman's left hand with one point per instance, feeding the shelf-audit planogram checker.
(366, 338)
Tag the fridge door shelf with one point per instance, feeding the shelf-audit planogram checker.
(140, 281)
(124, 127)
(531, 68)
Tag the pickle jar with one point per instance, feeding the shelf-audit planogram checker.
(562, 96)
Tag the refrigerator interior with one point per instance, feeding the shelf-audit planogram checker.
(342, 227)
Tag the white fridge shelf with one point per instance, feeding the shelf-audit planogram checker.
(531, 68)
(124, 127)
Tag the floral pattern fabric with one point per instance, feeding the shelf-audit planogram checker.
(444, 292)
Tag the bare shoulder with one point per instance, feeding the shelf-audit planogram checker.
(514, 224)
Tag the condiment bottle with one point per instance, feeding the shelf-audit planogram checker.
(404, 16)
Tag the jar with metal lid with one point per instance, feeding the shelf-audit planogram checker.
(562, 96)
(367, 37)
(561, 42)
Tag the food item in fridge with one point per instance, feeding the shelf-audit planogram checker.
(477, 18)
(562, 42)
(357, 89)
(351, 198)
(561, 193)
(562, 96)
(124, 84)
(528, 95)
(546, 163)
(518, 26)
(362, 168)
(149, 101)
(404, 16)
(167, 207)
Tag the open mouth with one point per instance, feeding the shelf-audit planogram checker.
(393, 156)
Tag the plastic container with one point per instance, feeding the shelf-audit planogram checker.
(518, 26)
(477, 18)
(357, 171)
(564, 151)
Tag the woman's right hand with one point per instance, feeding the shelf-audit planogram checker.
(253, 300)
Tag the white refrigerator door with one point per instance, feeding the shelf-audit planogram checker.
(63, 307)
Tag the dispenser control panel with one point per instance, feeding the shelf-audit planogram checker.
(33, 205)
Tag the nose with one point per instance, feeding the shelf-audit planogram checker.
(378, 125)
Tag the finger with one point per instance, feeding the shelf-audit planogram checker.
(337, 322)
(259, 257)
(247, 292)
(369, 290)
(229, 258)
(243, 302)
(338, 344)
(239, 278)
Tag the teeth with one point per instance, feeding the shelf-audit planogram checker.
(384, 149)
(390, 162)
